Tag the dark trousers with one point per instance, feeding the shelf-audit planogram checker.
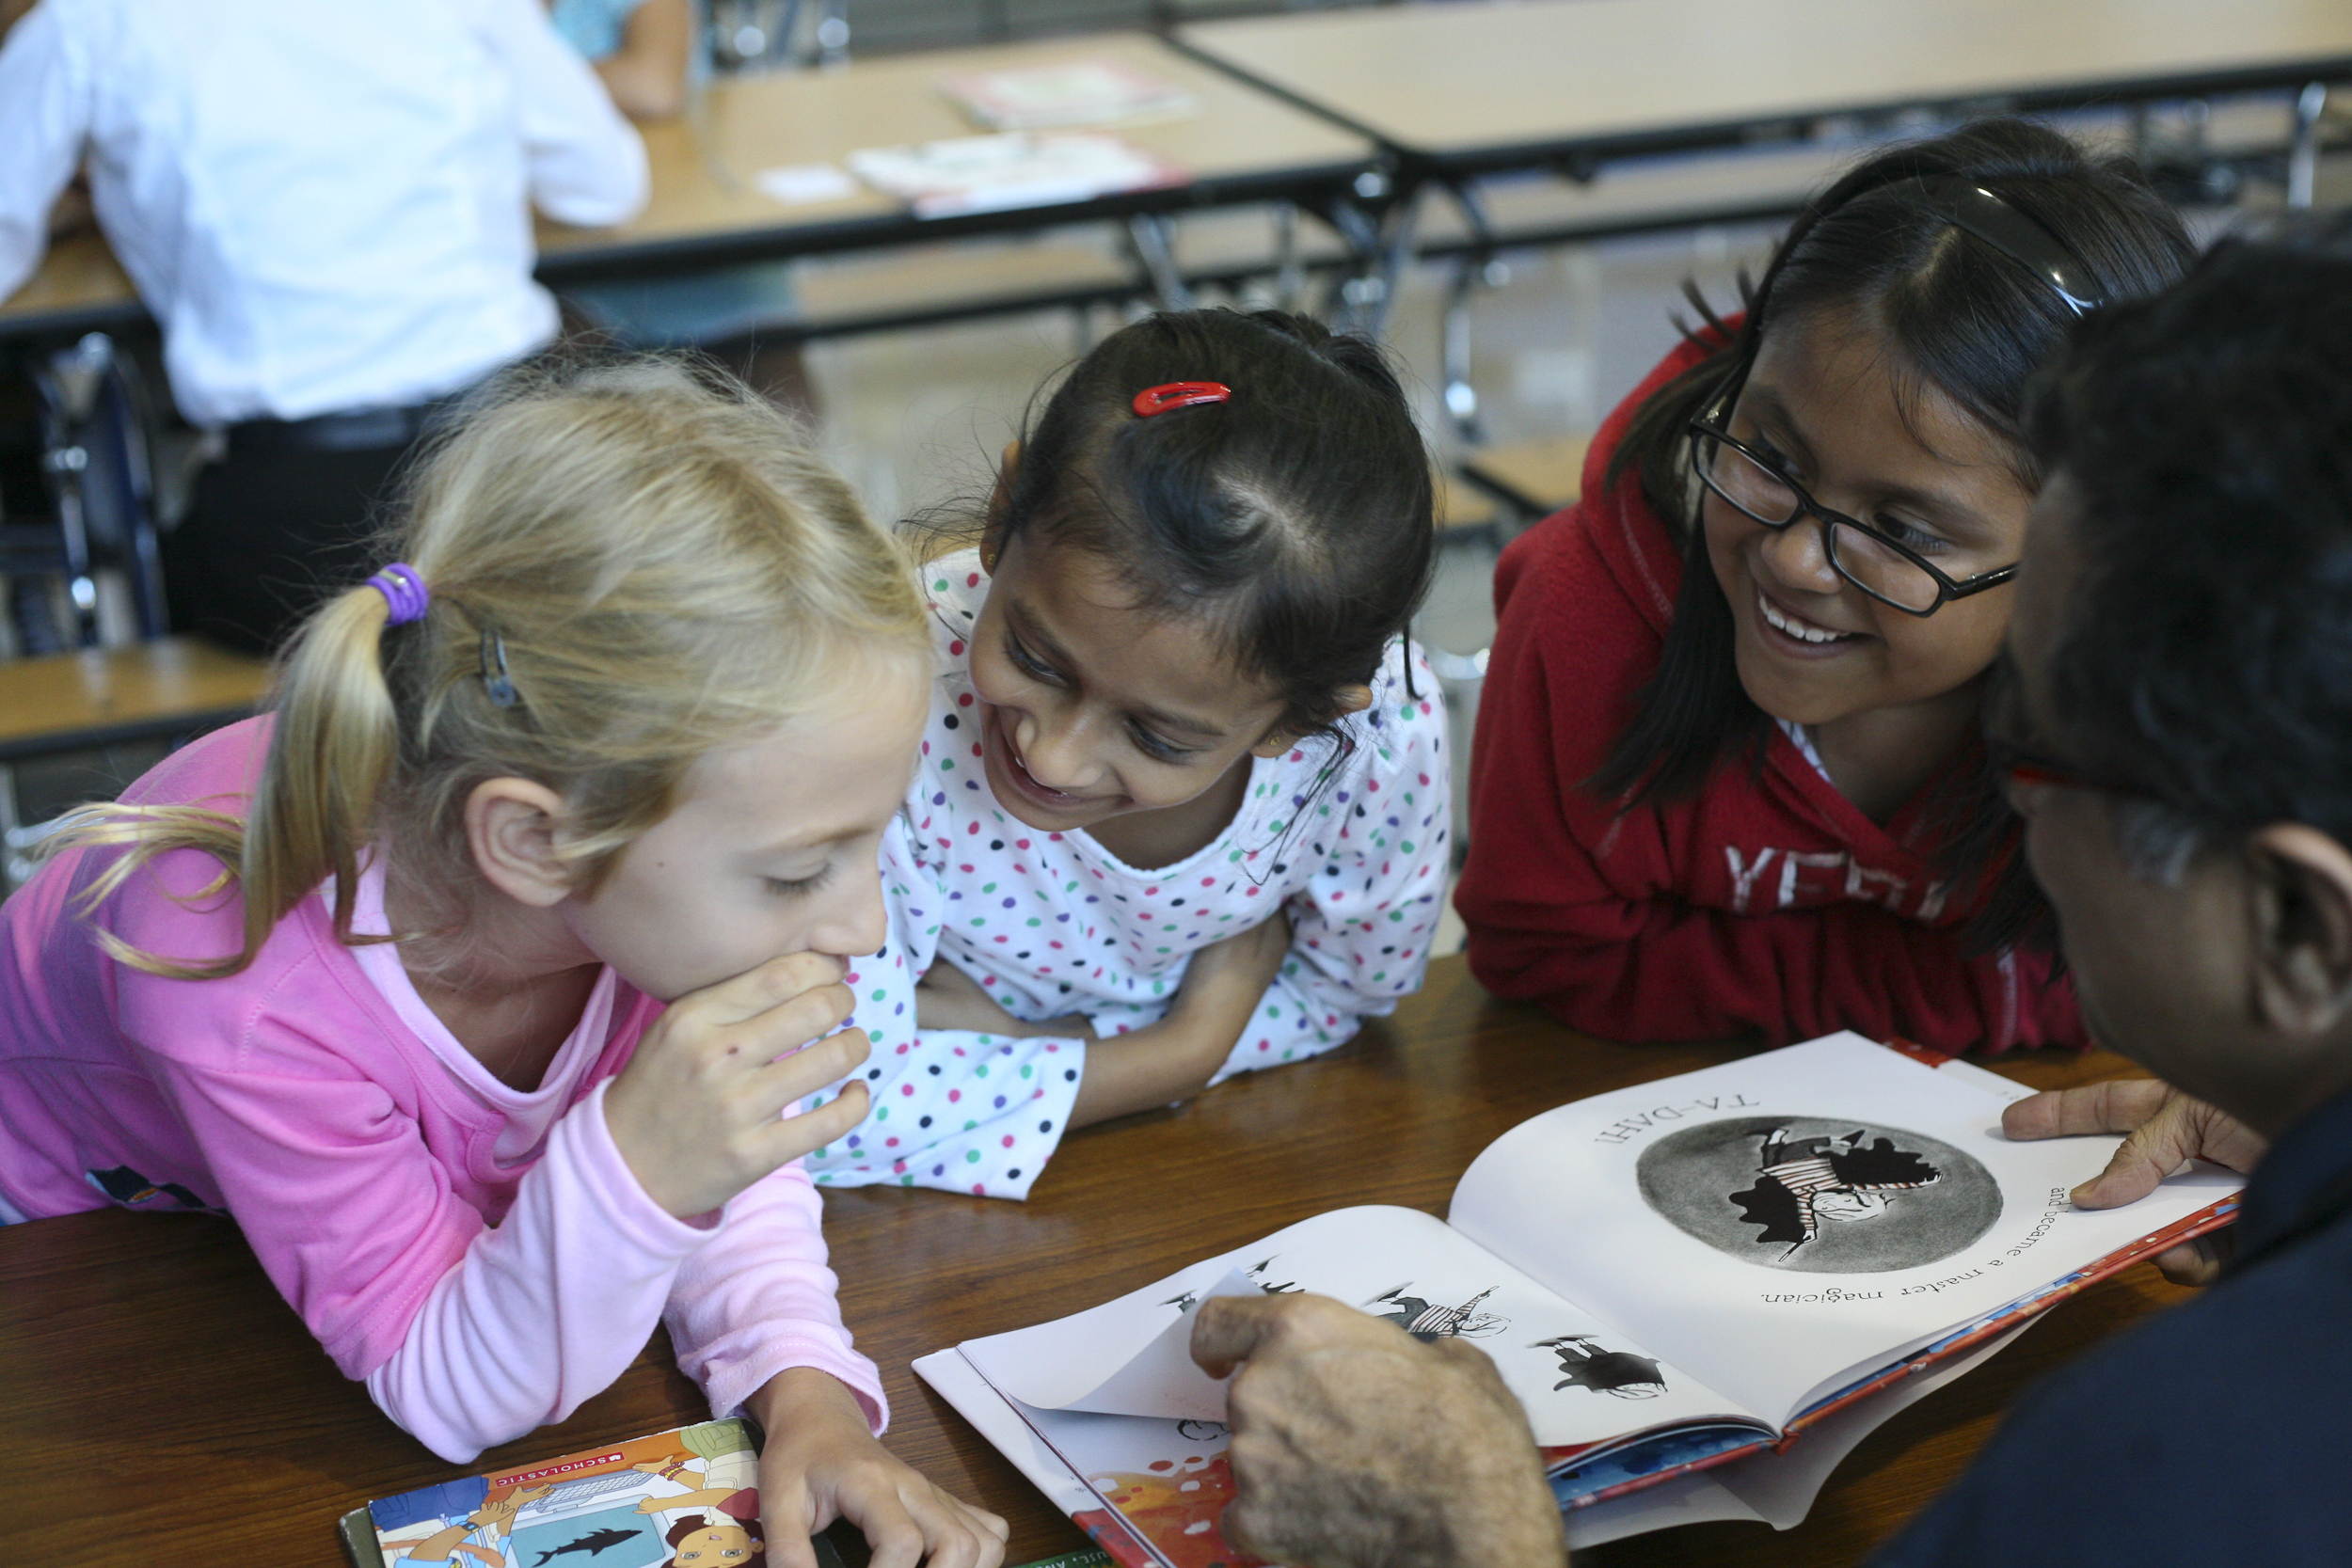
(273, 530)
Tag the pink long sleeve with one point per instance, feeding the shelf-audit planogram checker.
(758, 1298)
(544, 1309)
(482, 1269)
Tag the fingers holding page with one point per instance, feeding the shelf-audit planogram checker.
(1234, 1329)
(1353, 1443)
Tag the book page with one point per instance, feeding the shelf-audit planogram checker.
(1781, 1224)
(1776, 1489)
(1581, 1383)
(1189, 1447)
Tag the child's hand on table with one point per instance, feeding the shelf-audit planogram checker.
(822, 1463)
(698, 1112)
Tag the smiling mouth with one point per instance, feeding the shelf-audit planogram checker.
(1803, 630)
(1017, 771)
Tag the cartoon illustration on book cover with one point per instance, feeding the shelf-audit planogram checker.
(687, 1498)
(1426, 1322)
(1617, 1373)
(1819, 1195)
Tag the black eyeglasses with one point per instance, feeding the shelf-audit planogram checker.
(1758, 488)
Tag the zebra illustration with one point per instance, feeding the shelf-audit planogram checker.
(1427, 1323)
(1800, 1184)
(1183, 1303)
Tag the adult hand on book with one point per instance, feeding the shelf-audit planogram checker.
(2163, 1127)
(1356, 1445)
(822, 1463)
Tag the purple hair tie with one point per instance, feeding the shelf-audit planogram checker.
(403, 587)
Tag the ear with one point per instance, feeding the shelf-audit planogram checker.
(511, 826)
(999, 502)
(1347, 700)
(2299, 893)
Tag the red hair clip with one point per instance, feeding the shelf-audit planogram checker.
(1180, 394)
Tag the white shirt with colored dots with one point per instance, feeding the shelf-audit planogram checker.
(1350, 836)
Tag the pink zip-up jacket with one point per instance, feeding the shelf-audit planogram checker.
(481, 1255)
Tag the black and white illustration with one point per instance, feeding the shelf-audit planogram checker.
(1427, 1320)
(1819, 1195)
(1616, 1372)
(1257, 1272)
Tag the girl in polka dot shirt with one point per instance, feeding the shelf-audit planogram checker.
(1181, 809)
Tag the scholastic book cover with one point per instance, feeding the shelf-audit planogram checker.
(688, 1497)
(1736, 1273)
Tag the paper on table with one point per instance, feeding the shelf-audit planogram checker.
(987, 174)
(1068, 92)
(799, 185)
(1160, 1378)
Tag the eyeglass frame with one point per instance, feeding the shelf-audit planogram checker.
(1697, 429)
(2022, 765)
(2014, 762)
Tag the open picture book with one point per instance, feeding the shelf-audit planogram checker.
(1722, 1268)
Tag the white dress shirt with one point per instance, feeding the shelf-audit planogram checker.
(325, 205)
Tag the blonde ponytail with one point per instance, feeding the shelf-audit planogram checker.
(653, 558)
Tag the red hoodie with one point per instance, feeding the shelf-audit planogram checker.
(1763, 903)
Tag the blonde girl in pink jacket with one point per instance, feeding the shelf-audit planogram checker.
(474, 980)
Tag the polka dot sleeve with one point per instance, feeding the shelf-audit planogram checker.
(1361, 927)
(961, 1112)
(952, 1109)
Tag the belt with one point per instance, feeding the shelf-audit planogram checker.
(347, 430)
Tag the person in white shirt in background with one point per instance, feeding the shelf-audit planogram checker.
(327, 210)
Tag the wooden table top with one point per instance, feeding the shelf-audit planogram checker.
(1462, 79)
(80, 287)
(91, 696)
(704, 164)
(153, 1387)
(705, 204)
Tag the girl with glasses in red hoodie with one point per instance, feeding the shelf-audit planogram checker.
(1728, 777)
